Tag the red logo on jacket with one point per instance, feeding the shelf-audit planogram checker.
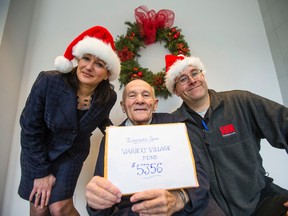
(227, 130)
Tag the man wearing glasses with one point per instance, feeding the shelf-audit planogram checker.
(226, 129)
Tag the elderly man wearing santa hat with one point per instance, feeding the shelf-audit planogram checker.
(226, 129)
(64, 107)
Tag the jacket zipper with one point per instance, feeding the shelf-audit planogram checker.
(217, 179)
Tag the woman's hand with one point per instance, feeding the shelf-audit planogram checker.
(101, 193)
(42, 190)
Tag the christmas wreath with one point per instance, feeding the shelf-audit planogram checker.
(149, 28)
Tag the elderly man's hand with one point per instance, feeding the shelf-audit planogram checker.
(157, 202)
(101, 193)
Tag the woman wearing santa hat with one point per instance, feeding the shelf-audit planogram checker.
(63, 109)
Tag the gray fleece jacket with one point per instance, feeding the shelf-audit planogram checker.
(229, 149)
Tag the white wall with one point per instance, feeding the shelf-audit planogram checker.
(4, 154)
(228, 35)
(3, 15)
(15, 31)
(275, 17)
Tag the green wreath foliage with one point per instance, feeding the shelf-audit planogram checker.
(128, 47)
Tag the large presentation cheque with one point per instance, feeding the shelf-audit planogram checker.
(157, 156)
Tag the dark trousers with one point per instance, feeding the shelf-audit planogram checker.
(271, 200)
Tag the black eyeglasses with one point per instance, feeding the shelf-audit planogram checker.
(184, 78)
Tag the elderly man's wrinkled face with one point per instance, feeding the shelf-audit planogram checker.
(139, 102)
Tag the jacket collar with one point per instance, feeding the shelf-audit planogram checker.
(67, 99)
(125, 122)
(215, 102)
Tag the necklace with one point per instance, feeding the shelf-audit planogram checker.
(84, 103)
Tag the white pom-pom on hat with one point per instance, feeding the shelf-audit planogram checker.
(96, 41)
(175, 65)
(63, 64)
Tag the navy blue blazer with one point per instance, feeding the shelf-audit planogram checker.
(50, 125)
(199, 197)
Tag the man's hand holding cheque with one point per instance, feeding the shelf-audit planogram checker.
(138, 172)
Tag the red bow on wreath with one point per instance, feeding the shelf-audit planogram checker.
(150, 21)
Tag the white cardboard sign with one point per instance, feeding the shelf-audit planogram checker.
(157, 156)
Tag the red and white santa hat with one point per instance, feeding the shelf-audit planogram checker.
(96, 41)
(176, 64)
